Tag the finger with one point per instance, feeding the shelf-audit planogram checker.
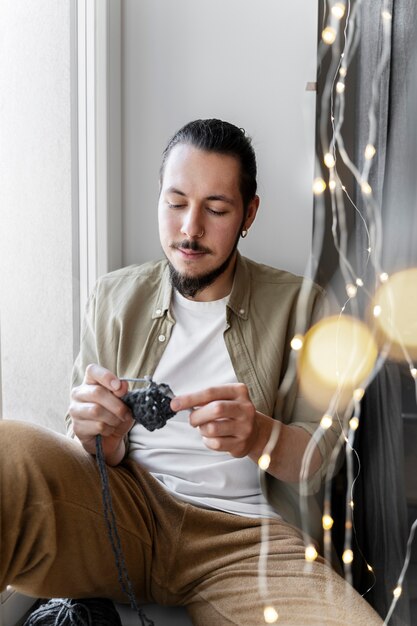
(95, 373)
(221, 444)
(211, 394)
(218, 410)
(104, 400)
(218, 428)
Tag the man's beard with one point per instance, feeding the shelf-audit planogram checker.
(189, 286)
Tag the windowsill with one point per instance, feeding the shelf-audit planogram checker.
(13, 607)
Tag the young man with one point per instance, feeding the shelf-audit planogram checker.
(188, 501)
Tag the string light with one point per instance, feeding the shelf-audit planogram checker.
(354, 423)
(318, 186)
(338, 10)
(329, 35)
(264, 461)
(386, 15)
(377, 310)
(329, 160)
(347, 557)
(340, 86)
(366, 188)
(358, 394)
(413, 372)
(351, 290)
(359, 282)
(332, 185)
(297, 342)
(326, 421)
(343, 71)
(327, 522)
(370, 568)
(351, 504)
(270, 615)
(397, 591)
(383, 277)
(311, 553)
(370, 151)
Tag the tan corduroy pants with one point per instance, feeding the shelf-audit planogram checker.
(54, 543)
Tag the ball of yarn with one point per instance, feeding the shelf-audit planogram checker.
(69, 612)
(151, 406)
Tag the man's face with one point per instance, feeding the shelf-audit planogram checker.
(201, 216)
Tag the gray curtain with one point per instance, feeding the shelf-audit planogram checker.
(381, 511)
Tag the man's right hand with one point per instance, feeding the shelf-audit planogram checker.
(96, 409)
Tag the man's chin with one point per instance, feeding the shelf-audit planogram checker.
(189, 284)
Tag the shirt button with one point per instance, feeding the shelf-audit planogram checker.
(241, 311)
(161, 338)
(158, 312)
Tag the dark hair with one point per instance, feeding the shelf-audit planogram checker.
(218, 136)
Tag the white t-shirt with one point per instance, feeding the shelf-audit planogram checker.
(195, 358)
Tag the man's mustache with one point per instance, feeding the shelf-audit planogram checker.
(190, 245)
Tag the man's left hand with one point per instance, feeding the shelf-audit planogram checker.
(225, 416)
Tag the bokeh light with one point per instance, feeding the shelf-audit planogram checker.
(338, 355)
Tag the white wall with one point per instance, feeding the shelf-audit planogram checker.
(246, 61)
(36, 308)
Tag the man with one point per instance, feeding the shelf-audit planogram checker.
(188, 501)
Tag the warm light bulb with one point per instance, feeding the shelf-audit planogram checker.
(326, 421)
(311, 553)
(264, 461)
(413, 372)
(397, 591)
(370, 151)
(354, 423)
(358, 394)
(386, 15)
(359, 282)
(347, 556)
(332, 185)
(366, 188)
(351, 290)
(377, 310)
(327, 522)
(270, 615)
(343, 71)
(369, 568)
(383, 277)
(297, 342)
(351, 504)
(340, 87)
(329, 159)
(338, 10)
(329, 35)
(318, 186)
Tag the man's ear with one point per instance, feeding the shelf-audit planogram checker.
(251, 213)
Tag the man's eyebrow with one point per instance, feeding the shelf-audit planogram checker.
(220, 198)
(175, 190)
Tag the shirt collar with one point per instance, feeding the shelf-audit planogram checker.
(239, 296)
(163, 298)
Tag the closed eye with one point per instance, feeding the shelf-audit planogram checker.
(175, 206)
(213, 212)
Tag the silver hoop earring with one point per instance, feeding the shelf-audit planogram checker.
(243, 233)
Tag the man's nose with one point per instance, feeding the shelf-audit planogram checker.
(192, 226)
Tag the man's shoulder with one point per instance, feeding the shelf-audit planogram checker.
(133, 276)
(265, 275)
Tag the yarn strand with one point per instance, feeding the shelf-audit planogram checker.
(113, 534)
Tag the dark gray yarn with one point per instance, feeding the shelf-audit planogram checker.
(69, 612)
(151, 408)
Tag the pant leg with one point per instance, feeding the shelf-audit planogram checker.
(53, 538)
(222, 553)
